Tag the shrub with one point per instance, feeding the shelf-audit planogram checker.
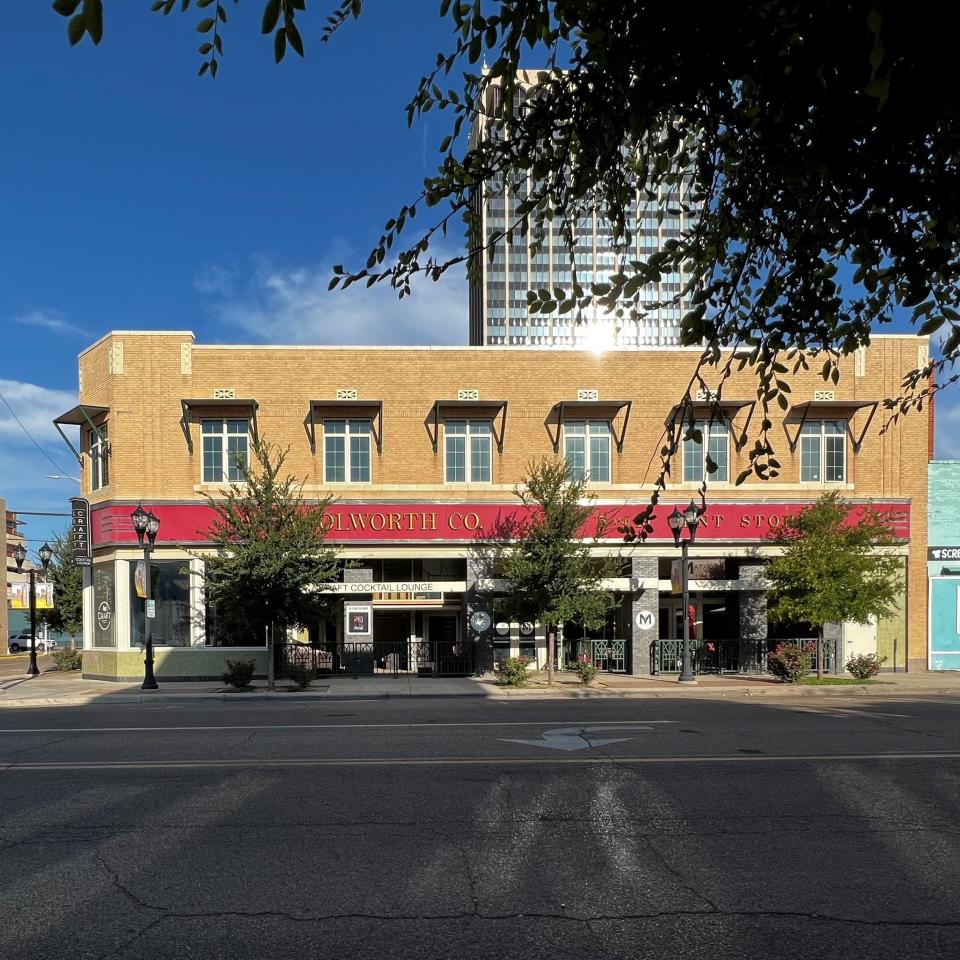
(865, 666)
(791, 662)
(513, 671)
(239, 673)
(586, 670)
(300, 674)
(68, 659)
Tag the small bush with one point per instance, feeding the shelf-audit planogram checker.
(865, 666)
(513, 671)
(239, 673)
(586, 671)
(68, 659)
(791, 662)
(300, 674)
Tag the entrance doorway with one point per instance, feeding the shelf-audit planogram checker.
(449, 654)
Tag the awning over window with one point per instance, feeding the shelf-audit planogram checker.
(496, 409)
(82, 414)
(845, 409)
(611, 410)
(215, 405)
(371, 408)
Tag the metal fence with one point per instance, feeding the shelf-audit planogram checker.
(608, 656)
(727, 656)
(385, 658)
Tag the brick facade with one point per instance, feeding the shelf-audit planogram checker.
(143, 377)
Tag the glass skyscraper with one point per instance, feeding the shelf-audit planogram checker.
(498, 294)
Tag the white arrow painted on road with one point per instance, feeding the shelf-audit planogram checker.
(582, 738)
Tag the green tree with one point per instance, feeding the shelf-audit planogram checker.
(833, 567)
(67, 577)
(271, 551)
(551, 575)
(811, 145)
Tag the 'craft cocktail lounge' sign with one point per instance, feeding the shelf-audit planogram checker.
(466, 523)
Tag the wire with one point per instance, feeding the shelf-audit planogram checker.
(30, 435)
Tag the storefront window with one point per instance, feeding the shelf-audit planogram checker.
(170, 590)
(104, 606)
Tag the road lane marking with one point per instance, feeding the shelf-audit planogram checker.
(33, 766)
(327, 726)
(571, 738)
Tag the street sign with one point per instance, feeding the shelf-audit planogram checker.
(151, 609)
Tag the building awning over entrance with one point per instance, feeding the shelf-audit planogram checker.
(497, 409)
(593, 409)
(843, 408)
(78, 416)
(370, 408)
(215, 404)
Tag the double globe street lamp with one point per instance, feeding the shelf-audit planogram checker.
(45, 554)
(149, 524)
(689, 518)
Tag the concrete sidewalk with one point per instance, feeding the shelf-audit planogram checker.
(66, 689)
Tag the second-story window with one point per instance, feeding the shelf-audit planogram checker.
(226, 446)
(346, 451)
(467, 449)
(823, 451)
(99, 450)
(715, 443)
(586, 448)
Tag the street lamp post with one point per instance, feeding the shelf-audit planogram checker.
(146, 523)
(690, 518)
(20, 554)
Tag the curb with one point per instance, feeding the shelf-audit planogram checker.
(788, 691)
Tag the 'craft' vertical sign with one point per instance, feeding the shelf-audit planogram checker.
(80, 531)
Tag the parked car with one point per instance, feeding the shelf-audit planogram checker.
(19, 642)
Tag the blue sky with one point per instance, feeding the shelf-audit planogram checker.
(136, 195)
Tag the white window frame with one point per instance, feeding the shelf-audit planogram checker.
(821, 435)
(351, 431)
(480, 429)
(98, 449)
(591, 430)
(223, 434)
(717, 430)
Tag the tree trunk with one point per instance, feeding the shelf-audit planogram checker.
(820, 653)
(551, 652)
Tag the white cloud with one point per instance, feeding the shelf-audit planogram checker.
(49, 319)
(23, 467)
(291, 304)
(36, 407)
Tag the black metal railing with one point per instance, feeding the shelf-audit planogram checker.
(727, 656)
(385, 658)
(710, 656)
(608, 656)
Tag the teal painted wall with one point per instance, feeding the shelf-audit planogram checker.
(944, 503)
(944, 531)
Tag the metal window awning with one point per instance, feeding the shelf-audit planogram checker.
(215, 403)
(848, 407)
(591, 409)
(78, 416)
(701, 408)
(373, 407)
(496, 408)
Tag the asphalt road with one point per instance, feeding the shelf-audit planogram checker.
(465, 829)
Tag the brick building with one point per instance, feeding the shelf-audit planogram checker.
(423, 446)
